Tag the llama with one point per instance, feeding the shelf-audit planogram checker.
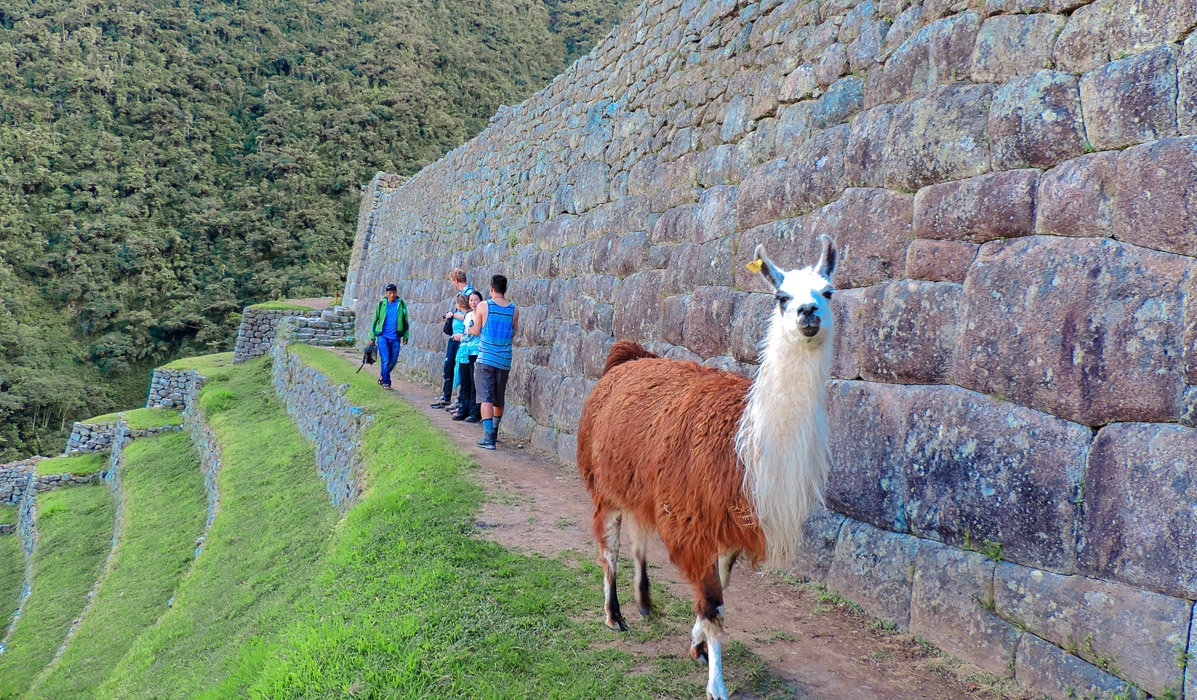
(717, 464)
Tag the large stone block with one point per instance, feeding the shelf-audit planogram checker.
(1131, 101)
(909, 331)
(1186, 79)
(939, 261)
(709, 314)
(1157, 195)
(750, 325)
(952, 592)
(543, 384)
(1045, 669)
(788, 243)
(849, 333)
(567, 403)
(1140, 498)
(871, 229)
(638, 306)
(1009, 46)
(816, 551)
(980, 209)
(1131, 632)
(941, 52)
(692, 265)
(843, 98)
(979, 469)
(595, 348)
(938, 137)
(865, 155)
(1036, 121)
(1076, 198)
(1135, 25)
(566, 357)
(875, 569)
(1059, 324)
(867, 479)
(1084, 43)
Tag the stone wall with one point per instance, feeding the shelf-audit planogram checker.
(324, 416)
(15, 477)
(169, 388)
(325, 327)
(90, 437)
(1013, 188)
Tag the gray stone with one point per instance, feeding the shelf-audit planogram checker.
(1076, 198)
(941, 52)
(980, 209)
(938, 137)
(1156, 205)
(637, 306)
(867, 478)
(1186, 80)
(874, 568)
(707, 329)
(1121, 628)
(865, 155)
(871, 228)
(909, 331)
(849, 333)
(1084, 43)
(843, 98)
(951, 607)
(816, 551)
(1140, 494)
(939, 261)
(1132, 100)
(1036, 121)
(750, 323)
(1045, 669)
(1010, 46)
(1059, 324)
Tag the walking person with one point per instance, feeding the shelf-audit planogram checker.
(468, 408)
(495, 322)
(457, 277)
(389, 331)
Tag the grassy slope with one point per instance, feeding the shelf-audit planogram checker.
(8, 515)
(75, 526)
(412, 605)
(204, 363)
(281, 306)
(165, 507)
(141, 418)
(12, 577)
(269, 539)
(79, 465)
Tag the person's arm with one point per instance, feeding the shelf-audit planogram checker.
(374, 323)
(479, 320)
(515, 322)
(406, 322)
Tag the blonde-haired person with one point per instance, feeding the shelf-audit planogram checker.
(457, 277)
(468, 408)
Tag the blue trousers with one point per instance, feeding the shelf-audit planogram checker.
(388, 355)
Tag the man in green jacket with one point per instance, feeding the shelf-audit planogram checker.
(390, 330)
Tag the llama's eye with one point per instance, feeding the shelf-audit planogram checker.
(783, 298)
(827, 293)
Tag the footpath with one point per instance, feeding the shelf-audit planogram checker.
(809, 638)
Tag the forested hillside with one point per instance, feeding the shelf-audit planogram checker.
(163, 163)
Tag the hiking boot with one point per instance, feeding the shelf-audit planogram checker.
(440, 403)
(487, 442)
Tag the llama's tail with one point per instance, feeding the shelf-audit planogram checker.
(626, 351)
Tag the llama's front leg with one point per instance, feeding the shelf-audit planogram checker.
(706, 640)
(640, 537)
(726, 562)
(606, 527)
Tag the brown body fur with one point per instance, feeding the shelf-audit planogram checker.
(657, 443)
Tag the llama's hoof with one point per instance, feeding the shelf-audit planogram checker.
(645, 611)
(699, 652)
(618, 625)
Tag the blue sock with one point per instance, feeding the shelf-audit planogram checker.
(488, 424)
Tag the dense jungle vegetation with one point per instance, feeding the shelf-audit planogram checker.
(165, 162)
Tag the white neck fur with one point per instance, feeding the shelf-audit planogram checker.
(782, 439)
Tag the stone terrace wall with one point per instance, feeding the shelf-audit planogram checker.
(1013, 187)
(90, 437)
(15, 478)
(325, 327)
(170, 388)
(325, 417)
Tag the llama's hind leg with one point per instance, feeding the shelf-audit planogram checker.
(706, 640)
(640, 537)
(606, 531)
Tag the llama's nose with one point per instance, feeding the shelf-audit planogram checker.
(808, 310)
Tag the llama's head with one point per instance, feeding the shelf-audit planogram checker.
(803, 295)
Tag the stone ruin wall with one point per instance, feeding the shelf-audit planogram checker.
(320, 327)
(1013, 188)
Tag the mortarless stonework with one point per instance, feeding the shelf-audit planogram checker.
(1016, 321)
(326, 327)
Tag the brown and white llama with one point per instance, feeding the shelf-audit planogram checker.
(717, 464)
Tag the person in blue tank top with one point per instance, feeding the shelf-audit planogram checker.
(495, 322)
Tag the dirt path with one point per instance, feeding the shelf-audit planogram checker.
(820, 650)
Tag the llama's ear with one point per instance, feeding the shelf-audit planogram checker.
(827, 258)
(768, 270)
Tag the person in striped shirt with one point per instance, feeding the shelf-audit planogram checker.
(495, 322)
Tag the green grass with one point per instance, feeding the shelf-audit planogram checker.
(75, 526)
(12, 578)
(106, 418)
(269, 540)
(142, 418)
(411, 604)
(165, 508)
(8, 515)
(79, 465)
(281, 306)
(203, 362)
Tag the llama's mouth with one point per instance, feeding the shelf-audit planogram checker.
(809, 329)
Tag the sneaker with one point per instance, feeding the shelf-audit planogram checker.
(459, 416)
(487, 442)
(472, 419)
(451, 408)
(440, 403)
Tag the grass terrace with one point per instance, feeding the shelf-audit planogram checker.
(165, 508)
(75, 536)
(281, 306)
(12, 577)
(204, 363)
(77, 465)
(8, 515)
